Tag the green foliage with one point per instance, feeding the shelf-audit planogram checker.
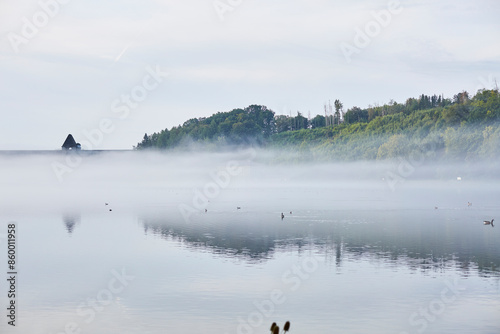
(356, 115)
(396, 146)
(490, 147)
(463, 128)
(318, 122)
(253, 124)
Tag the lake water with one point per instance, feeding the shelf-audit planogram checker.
(355, 252)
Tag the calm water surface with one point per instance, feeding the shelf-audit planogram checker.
(349, 258)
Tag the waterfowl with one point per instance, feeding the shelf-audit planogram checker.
(487, 222)
(282, 216)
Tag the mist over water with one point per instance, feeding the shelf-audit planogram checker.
(137, 181)
(203, 236)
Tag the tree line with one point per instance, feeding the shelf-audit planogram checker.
(254, 124)
(376, 132)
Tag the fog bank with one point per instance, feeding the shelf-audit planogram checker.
(145, 181)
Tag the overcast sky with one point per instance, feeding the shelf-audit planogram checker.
(99, 69)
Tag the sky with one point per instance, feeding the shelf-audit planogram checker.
(110, 71)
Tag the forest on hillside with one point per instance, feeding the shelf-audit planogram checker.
(463, 128)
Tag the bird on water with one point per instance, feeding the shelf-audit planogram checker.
(487, 222)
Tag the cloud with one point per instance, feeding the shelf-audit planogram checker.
(281, 52)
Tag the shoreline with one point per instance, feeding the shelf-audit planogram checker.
(42, 152)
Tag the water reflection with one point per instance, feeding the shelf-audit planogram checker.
(421, 240)
(71, 220)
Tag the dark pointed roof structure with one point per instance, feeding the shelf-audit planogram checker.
(70, 143)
